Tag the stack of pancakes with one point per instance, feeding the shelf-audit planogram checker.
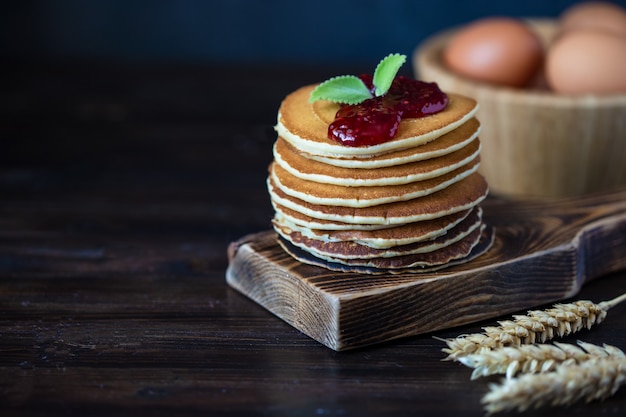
(406, 205)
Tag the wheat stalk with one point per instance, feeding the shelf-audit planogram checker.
(593, 379)
(534, 358)
(536, 326)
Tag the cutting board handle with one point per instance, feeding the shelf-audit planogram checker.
(602, 241)
(592, 226)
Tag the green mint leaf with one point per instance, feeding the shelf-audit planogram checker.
(386, 71)
(344, 89)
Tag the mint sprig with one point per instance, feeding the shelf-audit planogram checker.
(386, 71)
(350, 89)
(346, 89)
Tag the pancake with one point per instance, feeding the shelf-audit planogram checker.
(459, 196)
(310, 170)
(450, 142)
(474, 244)
(313, 223)
(409, 264)
(460, 247)
(359, 197)
(385, 238)
(305, 126)
(356, 252)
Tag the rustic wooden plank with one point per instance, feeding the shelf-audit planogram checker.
(544, 251)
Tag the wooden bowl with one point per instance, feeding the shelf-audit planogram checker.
(536, 142)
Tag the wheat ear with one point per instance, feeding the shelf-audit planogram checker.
(534, 358)
(537, 326)
(594, 379)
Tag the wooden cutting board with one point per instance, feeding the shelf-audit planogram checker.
(544, 251)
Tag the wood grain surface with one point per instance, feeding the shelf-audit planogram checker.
(120, 191)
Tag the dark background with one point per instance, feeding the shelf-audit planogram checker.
(272, 32)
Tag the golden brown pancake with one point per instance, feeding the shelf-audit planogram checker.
(310, 170)
(305, 126)
(459, 246)
(354, 251)
(330, 194)
(384, 238)
(459, 196)
(450, 142)
(409, 264)
(321, 224)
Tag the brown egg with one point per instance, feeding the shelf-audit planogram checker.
(587, 62)
(501, 51)
(594, 15)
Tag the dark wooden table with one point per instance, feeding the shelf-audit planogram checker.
(120, 190)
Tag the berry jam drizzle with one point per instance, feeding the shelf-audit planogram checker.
(376, 120)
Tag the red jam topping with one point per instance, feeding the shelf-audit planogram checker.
(376, 120)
